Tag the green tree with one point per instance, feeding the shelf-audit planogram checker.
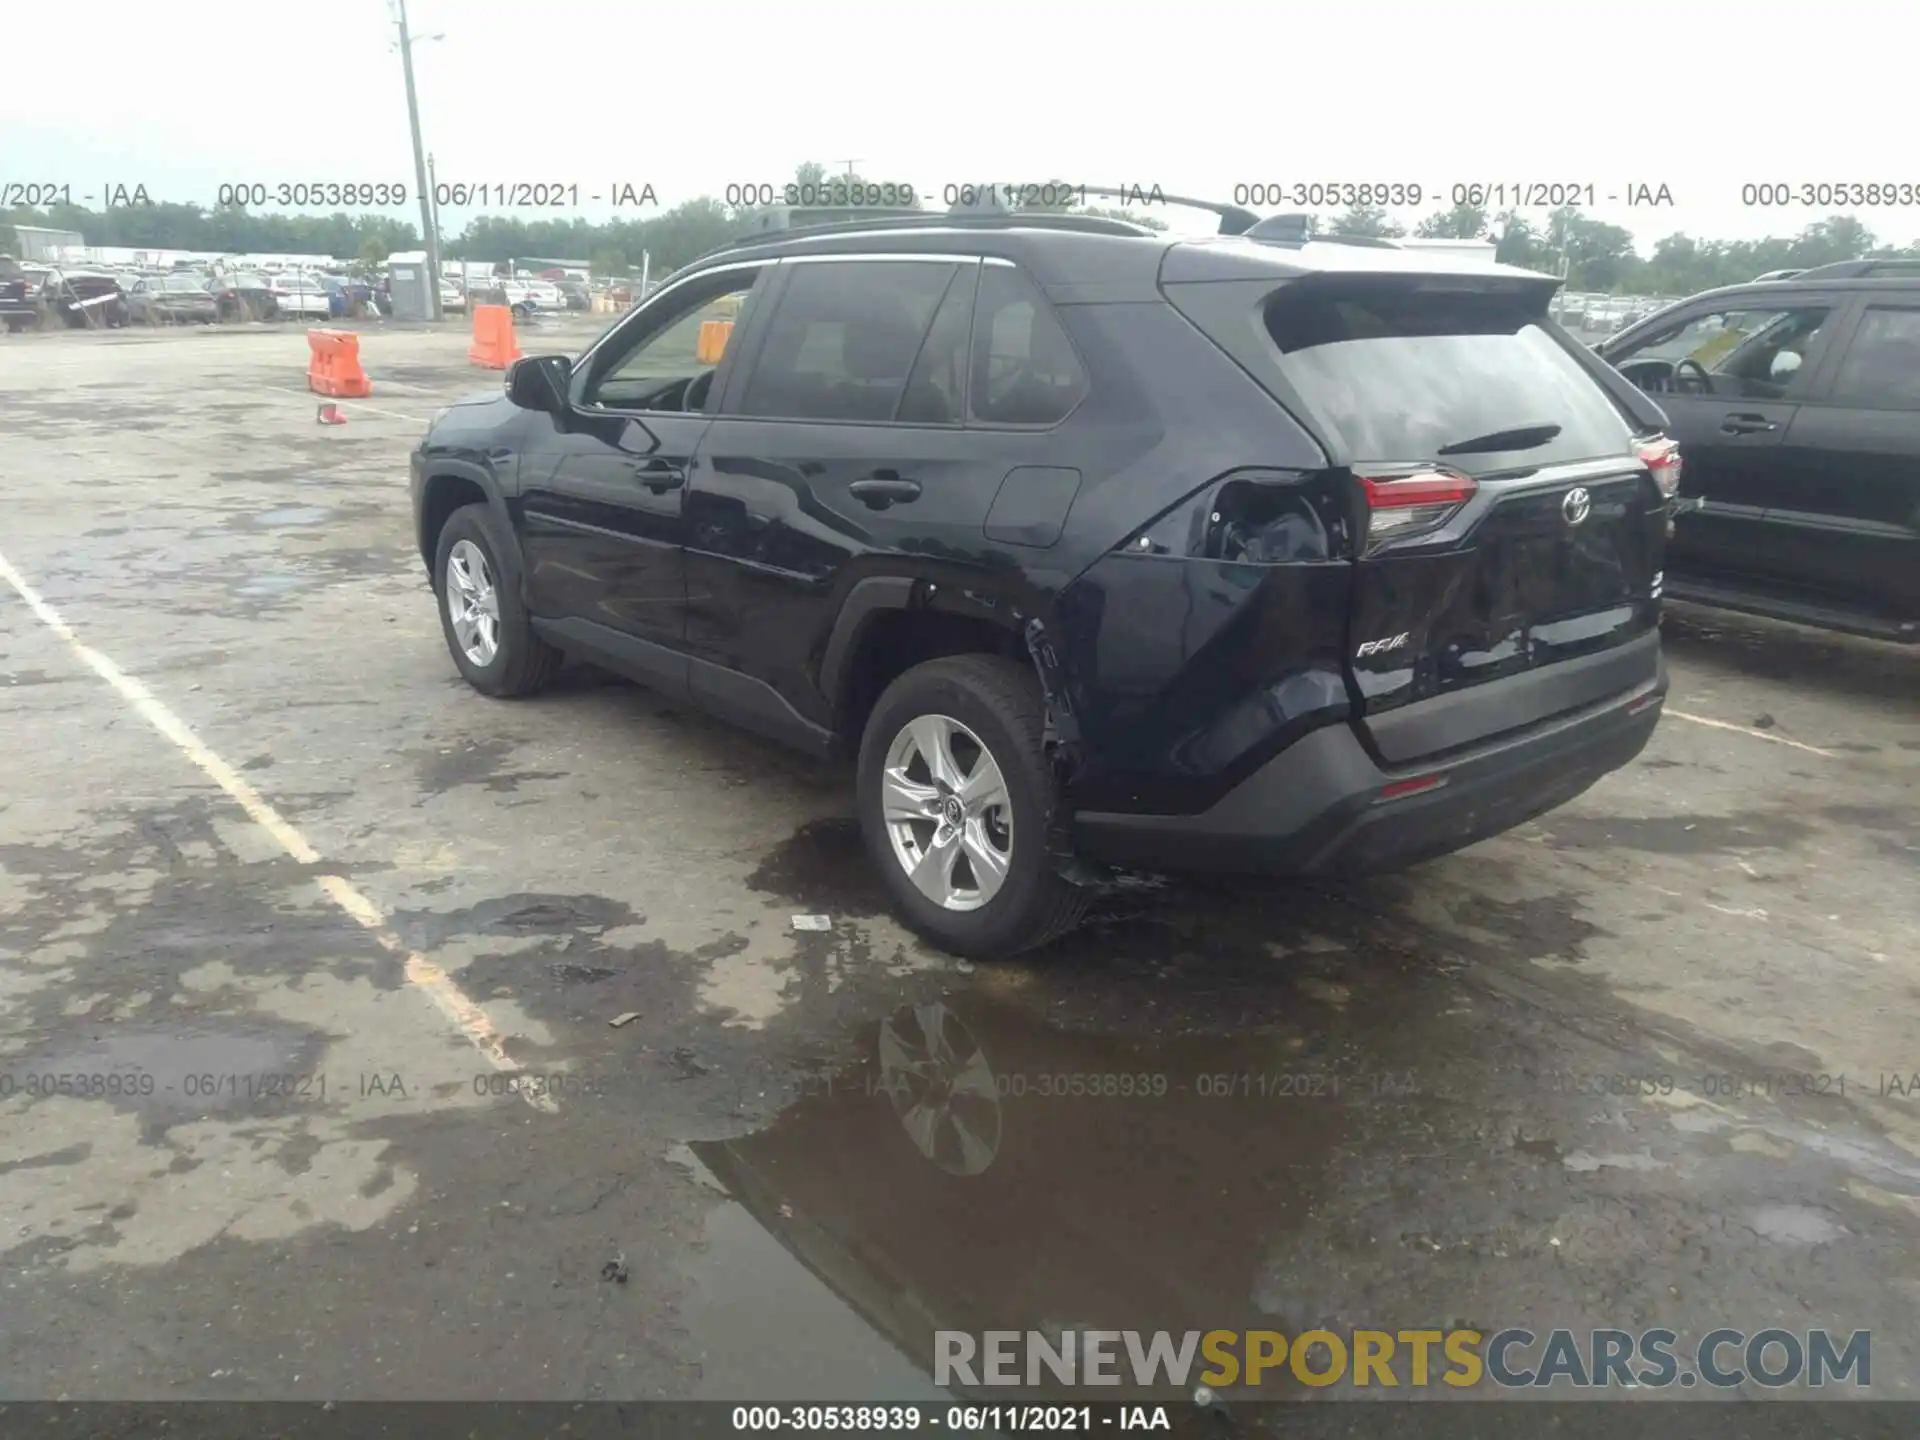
(1365, 220)
(1462, 222)
(1516, 242)
(373, 249)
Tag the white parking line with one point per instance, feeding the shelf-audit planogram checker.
(421, 972)
(349, 404)
(1749, 730)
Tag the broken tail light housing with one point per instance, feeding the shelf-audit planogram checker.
(1661, 456)
(1411, 500)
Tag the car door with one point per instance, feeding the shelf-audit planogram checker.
(602, 485)
(867, 435)
(1730, 374)
(1849, 503)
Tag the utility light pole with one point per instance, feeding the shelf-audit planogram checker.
(428, 229)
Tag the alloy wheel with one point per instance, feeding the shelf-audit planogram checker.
(948, 816)
(473, 604)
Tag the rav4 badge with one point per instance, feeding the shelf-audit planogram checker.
(1381, 647)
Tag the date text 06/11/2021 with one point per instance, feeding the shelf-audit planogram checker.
(915, 1417)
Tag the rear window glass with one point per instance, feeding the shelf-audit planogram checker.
(1403, 373)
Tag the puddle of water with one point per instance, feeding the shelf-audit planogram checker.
(985, 1170)
(745, 1293)
(172, 1075)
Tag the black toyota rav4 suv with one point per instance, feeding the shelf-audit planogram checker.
(1096, 547)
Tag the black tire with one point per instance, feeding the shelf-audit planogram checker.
(523, 663)
(1000, 702)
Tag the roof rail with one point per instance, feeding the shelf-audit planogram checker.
(1863, 269)
(885, 219)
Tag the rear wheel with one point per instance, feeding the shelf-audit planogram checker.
(957, 801)
(487, 629)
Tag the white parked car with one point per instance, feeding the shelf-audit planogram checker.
(525, 294)
(452, 297)
(300, 296)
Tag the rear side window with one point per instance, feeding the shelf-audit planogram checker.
(1881, 370)
(1403, 373)
(845, 338)
(1025, 371)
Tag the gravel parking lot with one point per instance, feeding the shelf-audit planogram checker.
(282, 903)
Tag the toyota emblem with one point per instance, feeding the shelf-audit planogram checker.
(1577, 505)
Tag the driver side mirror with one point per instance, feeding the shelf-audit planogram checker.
(539, 382)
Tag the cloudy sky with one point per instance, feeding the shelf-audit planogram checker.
(1197, 98)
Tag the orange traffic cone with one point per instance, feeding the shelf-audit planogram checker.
(330, 414)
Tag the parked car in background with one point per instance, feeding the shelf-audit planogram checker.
(22, 298)
(172, 300)
(1796, 403)
(300, 297)
(87, 299)
(242, 295)
(348, 298)
(574, 294)
(528, 296)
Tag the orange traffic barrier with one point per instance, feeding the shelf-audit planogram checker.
(334, 368)
(493, 344)
(713, 341)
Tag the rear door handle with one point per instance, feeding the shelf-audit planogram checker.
(1747, 425)
(877, 492)
(660, 476)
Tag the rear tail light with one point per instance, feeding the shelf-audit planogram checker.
(1661, 456)
(1413, 500)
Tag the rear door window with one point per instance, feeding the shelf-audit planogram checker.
(1881, 369)
(844, 339)
(1399, 372)
(935, 390)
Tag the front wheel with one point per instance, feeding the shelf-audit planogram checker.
(957, 801)
(487, 629)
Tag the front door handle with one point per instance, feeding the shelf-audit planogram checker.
(877, 492)
(660, 476)
(1747, 425)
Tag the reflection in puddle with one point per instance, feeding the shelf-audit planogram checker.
(986, 1171)
(1249, 1162)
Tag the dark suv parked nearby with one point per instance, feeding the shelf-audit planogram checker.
(1797, 404)
(1094, 546)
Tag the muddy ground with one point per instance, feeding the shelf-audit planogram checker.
(256, 1138)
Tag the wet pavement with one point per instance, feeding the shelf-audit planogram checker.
(288, 915)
